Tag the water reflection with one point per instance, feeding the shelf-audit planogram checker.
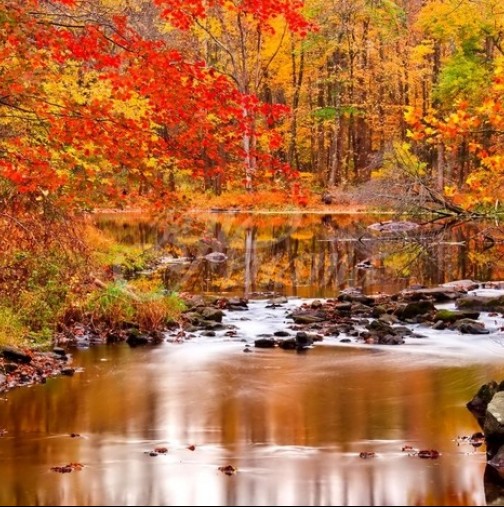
(293, 425)
(312, 255)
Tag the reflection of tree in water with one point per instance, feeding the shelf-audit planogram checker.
(319, 255)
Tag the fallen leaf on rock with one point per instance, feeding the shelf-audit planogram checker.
(228, 469)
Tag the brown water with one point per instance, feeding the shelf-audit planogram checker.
(292, 424)
(311, 255)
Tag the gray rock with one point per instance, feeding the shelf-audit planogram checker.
(265, 343)
(15, 354)
(481, 303)
(468, 326)
(209, 313)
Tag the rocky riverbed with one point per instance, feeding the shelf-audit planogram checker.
(461, 310)
(464, 309)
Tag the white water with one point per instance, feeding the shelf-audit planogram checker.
(446, 346)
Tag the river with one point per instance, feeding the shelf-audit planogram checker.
(292, 424)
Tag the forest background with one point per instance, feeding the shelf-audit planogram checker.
(162, 104)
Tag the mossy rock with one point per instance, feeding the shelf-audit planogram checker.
(451, 316)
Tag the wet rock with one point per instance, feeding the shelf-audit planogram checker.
(238, 302)
(344, 307)
(481, 303)
(265, 343)
(308, 317)
(15, 354)
(452, 316)
(303, 339)
(356, 297)
(438, 294)
(461, 285)
(288, 344)
(468, 326)
(414, 310)
(213, 314)
(3, 379)
(209, 333)
(10, 367)
(280, 300)
(281, 334)
(69, 372)
(316, 304)
(439, 325)
(390, 339)
(493, 426)
(345, 340)
(135, 338)
(59, 351)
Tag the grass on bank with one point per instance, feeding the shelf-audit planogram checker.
(46, 287)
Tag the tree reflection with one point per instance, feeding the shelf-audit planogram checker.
(316, 255)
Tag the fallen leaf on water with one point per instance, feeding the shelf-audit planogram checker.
(192, 447)
(428, 454)
(228, 469)
(66, 469)
(367, 454)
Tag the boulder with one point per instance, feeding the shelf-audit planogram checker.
(481, 303)
(414, 310)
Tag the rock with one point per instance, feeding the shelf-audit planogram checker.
(438, 294)
(10, 367)
(468, 326)
(209, 313)
(481, 303)
(136, 339)
(303, 339)
(356, 297)
(265, 343)
(344, 307)
(316, 304)
(452, 316)
(281, 334)
(390, 339)
(3, 379)
(478, 405)
(288, 344)
(461, 285)
(493, 427)
(236, 301)
(414, 310)
(280, 300)
(345, 340)
(68, 371)
(308, 316)
(497, 460)
(60, 351)
(15, 354)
